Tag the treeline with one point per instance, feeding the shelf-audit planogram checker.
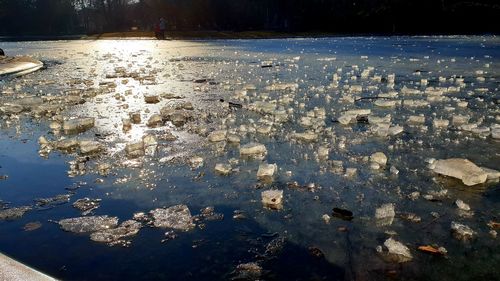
(51, 17)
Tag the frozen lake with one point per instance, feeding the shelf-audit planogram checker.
(130, 126)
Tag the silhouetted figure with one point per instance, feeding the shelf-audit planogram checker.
(2, 54)
(163, 26)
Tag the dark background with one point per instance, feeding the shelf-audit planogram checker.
(62, 17)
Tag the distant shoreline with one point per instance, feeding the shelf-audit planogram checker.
(209, 35)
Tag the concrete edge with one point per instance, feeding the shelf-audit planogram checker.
(11, 270)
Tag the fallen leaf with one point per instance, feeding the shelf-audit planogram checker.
(493, 224)
(429, 249)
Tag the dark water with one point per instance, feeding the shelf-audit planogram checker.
(213, 252)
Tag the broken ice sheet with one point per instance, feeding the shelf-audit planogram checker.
(88, 224)
(176, 217)
(14, 213)
(247, 271)
(87, 205)
(53, 201)
(113, 235)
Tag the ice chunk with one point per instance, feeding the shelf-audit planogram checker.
(484, 131)
(395, 130)
(462, 231)
(272, 198)
(462, 205)
(195, 162)
(440, 123)
(307, 136)
(247, 271)
(126, 124)
(86, 205)
(435, 91)
(53, 201)
(323, 152)
(55, 126)
(355, 89)
(391, 94)
(151, 98)
(345, 119)
(135, 117)
(176, 217)
(397, 251)
(233, 139)
(462, 169)
(492, 174)
(135, 150)
(253, 149)
(458, 120)
(416, 120)
(266, 171)
(155, 121)
(282, 87)
(263, 107)
(495, 132)
(78, 125)
(176, 116)
(88, 224)
(217, 136)
(385, 214)
(351, 115)
(67, 144)
(43, 141)
(386, 103)
(149, 140)
(410, 91)
(415, 103)
(379, 120)
(379, 158)
(209, 214)
(411, 217)
(88, 147)
(394, 170)
(11, 109)
(350, 172)
(223, 169)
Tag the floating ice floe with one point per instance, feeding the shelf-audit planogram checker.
(397, 251)
(175, 217)
(88, 224)
(462, 169)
